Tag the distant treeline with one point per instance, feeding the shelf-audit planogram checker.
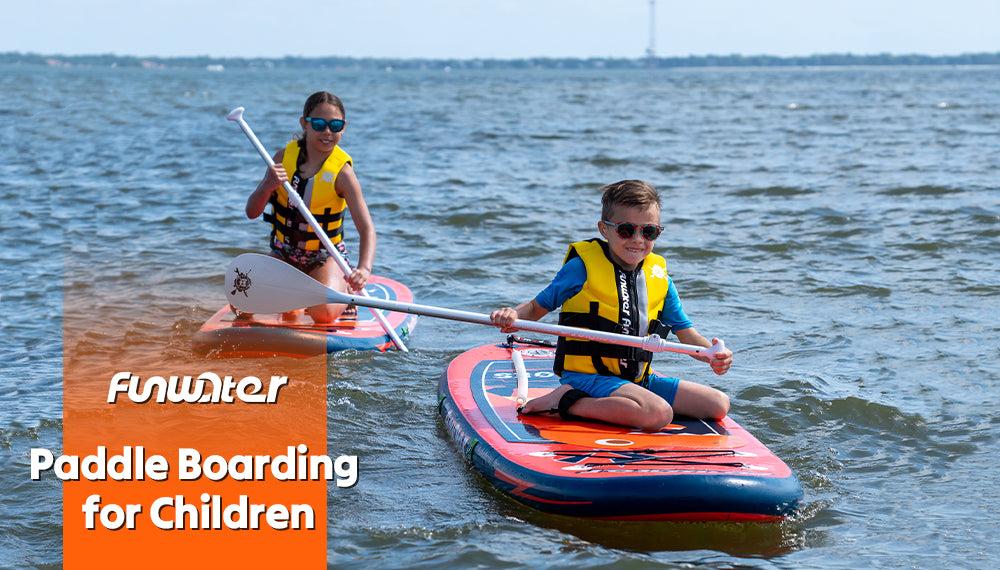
(205, 62)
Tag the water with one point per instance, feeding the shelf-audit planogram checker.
(839, 228)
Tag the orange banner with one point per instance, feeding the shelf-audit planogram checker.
(174, 461)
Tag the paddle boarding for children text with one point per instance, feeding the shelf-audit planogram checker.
(177, 511)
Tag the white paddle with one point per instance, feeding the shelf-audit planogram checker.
(236, 115)
(263, 284)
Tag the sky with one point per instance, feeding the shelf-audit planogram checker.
(500, 29)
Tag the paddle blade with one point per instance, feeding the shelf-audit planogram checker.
(258, 283)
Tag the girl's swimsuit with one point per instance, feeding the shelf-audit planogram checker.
(306, 260)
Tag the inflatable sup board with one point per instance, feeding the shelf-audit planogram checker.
(691, 470)
(225, 334)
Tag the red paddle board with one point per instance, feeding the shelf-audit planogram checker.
(691, 470)
(225, 334)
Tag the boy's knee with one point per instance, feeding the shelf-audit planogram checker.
(657, 417)
(719, 406)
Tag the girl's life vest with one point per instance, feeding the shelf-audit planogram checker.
(288, 225)
(612, 300)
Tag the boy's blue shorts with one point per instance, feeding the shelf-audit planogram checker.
(597, 386)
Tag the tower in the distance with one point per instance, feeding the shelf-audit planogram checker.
(651, 50)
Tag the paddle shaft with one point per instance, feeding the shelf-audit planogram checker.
(652, 343)
(237, 116)
(269, 276)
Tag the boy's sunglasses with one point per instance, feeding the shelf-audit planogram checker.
(336, 125)
(626, 230)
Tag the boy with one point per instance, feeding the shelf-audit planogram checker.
(621, 286)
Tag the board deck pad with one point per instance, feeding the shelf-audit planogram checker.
(690, 470)
(272, 334)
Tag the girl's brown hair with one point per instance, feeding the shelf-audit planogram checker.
(320, 97)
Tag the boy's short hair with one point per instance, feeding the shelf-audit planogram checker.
(628, 193)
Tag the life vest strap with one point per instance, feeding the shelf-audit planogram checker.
(597, 350)
(291, 233)
(600, 349)
(325, 218)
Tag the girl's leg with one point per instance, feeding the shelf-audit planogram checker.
(330, 275)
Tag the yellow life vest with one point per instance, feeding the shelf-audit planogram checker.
(612, 300)
(290, 227)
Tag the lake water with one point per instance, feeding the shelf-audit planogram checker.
(839, 228)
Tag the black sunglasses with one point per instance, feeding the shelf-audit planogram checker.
(336, 125)
(626, 230)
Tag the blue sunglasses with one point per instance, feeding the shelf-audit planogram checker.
(319, 125)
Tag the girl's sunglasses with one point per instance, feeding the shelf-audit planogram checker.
(626, 230)
(336, 125)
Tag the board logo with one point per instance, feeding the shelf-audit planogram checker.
(241, 283)
(537, 352)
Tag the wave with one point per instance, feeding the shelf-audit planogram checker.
(923, 190)
(771, 191)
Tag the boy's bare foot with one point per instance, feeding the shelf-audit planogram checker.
(546, 404)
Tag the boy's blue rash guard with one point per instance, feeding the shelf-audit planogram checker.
(569, 281)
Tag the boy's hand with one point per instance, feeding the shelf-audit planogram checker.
(504, 318)
(721, 361)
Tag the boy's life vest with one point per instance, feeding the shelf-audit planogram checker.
(288, 225)
(612, 300)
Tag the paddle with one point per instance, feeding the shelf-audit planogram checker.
(236, 115)
(522, 377)
(264, 284)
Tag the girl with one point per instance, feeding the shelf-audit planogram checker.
(323, 175)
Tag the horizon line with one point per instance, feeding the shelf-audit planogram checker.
(504, 59)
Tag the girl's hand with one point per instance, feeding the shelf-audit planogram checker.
(275, 176)
(357, 279)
